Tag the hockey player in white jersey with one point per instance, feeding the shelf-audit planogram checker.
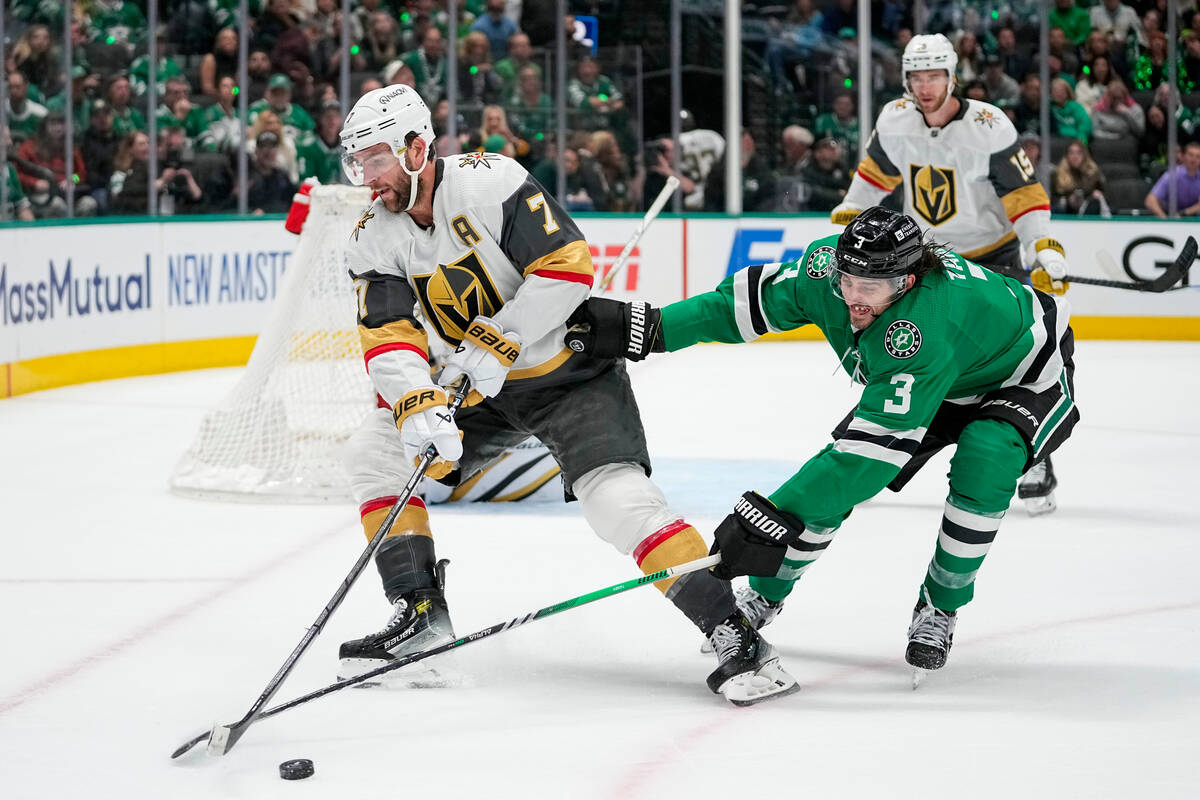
(968, 182)
(472, 251)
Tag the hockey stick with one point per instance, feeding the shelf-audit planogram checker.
(655, 207)
(1163, 283)
(515, 622)
(222, 738)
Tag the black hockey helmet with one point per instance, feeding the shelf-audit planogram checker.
(879, 243)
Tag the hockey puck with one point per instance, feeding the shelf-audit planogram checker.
(296, 769)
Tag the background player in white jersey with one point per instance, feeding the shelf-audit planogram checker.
(472, 251)
(967, 181)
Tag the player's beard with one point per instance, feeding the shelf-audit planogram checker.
(395, 189)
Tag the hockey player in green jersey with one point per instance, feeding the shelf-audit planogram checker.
(949, 353)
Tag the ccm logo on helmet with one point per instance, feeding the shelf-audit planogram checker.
(752, 515)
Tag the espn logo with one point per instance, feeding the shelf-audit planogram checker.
(757, 519)
(604, 258)
(487, 339)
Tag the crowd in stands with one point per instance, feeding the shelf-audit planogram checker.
(1109, 89)
(1108, 110)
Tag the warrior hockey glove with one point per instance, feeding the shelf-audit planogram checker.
(424, 419)
(1049, 267)
(485, 356)
(754, 538)
(605, 328)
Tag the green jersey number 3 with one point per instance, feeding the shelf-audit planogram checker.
(900, 404)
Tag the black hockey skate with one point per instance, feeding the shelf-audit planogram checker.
(1036, 488)
(930, 636)
(420, 620)
(748, 669)
(758, 611)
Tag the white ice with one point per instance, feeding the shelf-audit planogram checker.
(134, 619)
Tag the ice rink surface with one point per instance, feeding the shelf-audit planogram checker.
(135, 619)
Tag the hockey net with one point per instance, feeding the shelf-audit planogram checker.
(278, 435)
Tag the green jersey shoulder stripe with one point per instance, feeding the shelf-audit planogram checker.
(748, 312)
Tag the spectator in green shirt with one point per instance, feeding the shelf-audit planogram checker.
(596, 95)
(295, 119)
(520, 56)
(1074, 20)
(841, 124)
(18, 206)
(177, 110)
(1067, 117)
(24, 115)
(318, 153)
(126, 118)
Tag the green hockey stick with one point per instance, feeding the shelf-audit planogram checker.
(515, 622)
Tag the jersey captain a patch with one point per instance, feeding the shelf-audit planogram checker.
(819, 262)
(902, 339)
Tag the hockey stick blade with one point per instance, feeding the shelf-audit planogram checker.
(1163, 283)
(516, 622)
(222, 738)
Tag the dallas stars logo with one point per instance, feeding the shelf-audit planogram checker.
(474, 160)
(986, 117)
(362, 223)
(902, 339)
(819, 262)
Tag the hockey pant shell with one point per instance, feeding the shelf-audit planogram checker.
(624, 507)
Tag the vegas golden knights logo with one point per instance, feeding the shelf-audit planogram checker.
(934, 196)
(456, 294)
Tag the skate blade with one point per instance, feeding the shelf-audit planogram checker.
(414, 676)
(706, 648)
(918, 675)
(1037, 506)
(766, 683)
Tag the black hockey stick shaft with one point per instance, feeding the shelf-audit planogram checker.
(515, 622)
(1165, 282)
(222, 738)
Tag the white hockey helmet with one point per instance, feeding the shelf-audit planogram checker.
(386, 115)
(930, 51)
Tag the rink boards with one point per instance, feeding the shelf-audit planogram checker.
(81, 302)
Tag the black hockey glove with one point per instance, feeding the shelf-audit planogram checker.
(754, 538)
(605, 328)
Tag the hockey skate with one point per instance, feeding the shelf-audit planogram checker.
(1036, 488)
(420, 620)
(757, 610)
(930, 636)
(748, 669)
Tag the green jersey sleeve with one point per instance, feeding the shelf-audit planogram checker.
(749, 303)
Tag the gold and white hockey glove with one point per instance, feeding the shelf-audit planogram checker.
(424, 419)
(843, 214)
(485, 356)
(1049, 267)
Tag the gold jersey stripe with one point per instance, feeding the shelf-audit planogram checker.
(545, 368)
(573, 257)
(1025, 199)
(873, 173)
(973, 255)
(399, 332)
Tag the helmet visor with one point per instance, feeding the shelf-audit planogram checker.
(365, 166)
(856, 290)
